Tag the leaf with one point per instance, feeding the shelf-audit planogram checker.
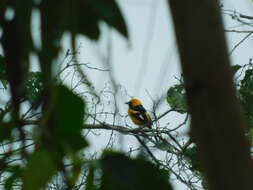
(177, 99)
(191, 155)
(235, 68)
(76, 17)
(34, 86)
(84, 17)
(79, 18)
(124, 173)
(109, 12)
(88, 25)
(246, 97)
(40, 169)
(69, 112)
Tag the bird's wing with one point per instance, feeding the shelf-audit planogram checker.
(139, 108)
(139, 117)
(142, 115)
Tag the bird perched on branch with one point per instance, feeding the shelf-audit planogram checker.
(138, 113)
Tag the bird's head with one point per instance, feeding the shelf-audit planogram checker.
(133, 102)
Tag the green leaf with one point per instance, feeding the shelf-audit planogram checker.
(40, 169)
(177, 99)
(34, 86)
(85, 20)
(124, 173)
(84, 17)
(69, 112)
(109, 12)
(246, 98)
(191, 155)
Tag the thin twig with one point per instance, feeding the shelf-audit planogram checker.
(240, 42)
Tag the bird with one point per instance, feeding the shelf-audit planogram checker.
(138, 113)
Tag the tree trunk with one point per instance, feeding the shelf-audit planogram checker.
(217, 125)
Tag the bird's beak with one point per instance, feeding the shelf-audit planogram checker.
(127, 103)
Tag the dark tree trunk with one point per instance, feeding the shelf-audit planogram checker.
(217, 123)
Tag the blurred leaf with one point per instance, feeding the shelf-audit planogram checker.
(78, 18)
(69, 112)
(40, 169)
(246, 97)
(91, 20)
(177, 99)
(191, 155)
(34, 86)
(121, 172)
(84, 16)
(109, 12)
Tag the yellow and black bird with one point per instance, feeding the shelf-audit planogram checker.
(138, 113)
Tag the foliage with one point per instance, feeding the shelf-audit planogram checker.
(191, 155)
(246, 97)
(69, 122)
(122, 172)
(176, 98)
(34, 86)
